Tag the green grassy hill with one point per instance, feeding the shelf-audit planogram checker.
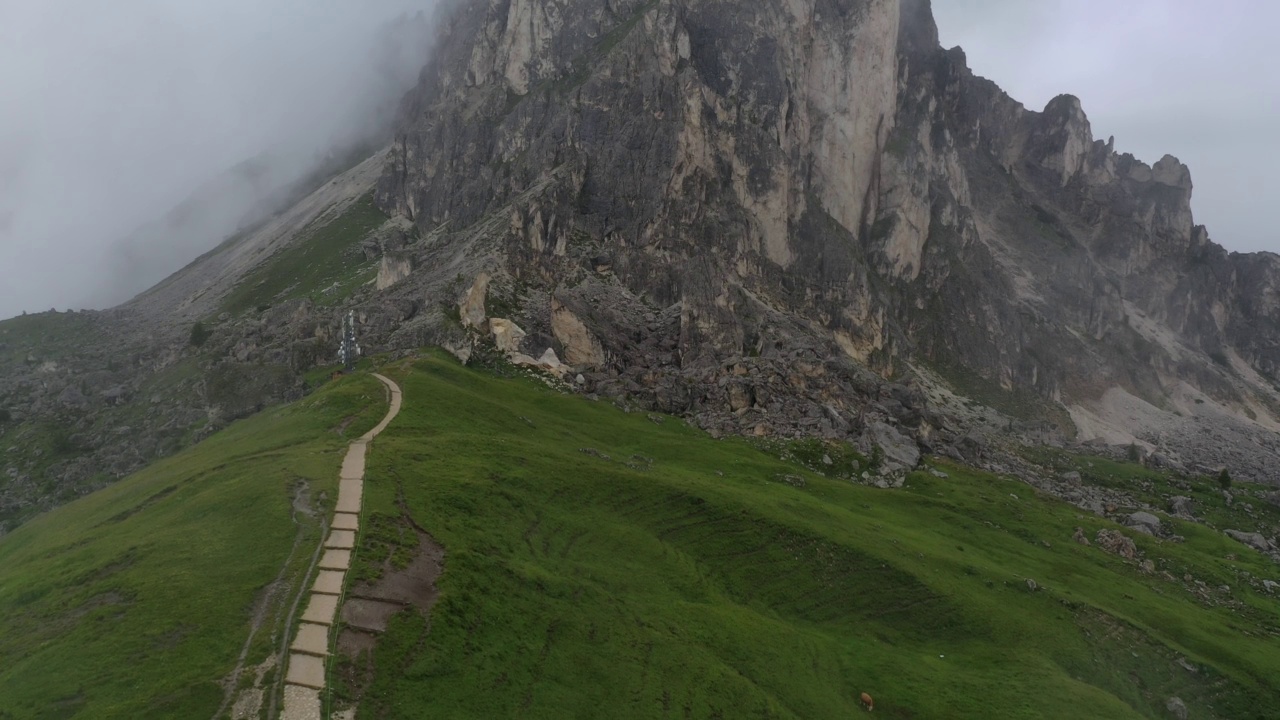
(605, 564)
(138, 601)
(602, 564)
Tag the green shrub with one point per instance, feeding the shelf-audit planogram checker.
(1224, 479)
(199, 334)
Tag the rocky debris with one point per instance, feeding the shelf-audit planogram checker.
(1177, 708)
(1031, 585)
(471, 309)
(1270, 586)
(506, 335)
(547, 363)
(1181, 506)
(794, 481)
(1117, 543)
(1071, 477)
(1254, 540)
(1144, 522)
(1079, 537)
(72, 397)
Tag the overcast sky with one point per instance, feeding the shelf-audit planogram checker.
(1196, 79)
(113, 112)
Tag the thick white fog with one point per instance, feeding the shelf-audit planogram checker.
(112, 113)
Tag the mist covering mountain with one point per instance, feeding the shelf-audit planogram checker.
(202, 115)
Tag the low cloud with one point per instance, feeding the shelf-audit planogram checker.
(116, 112)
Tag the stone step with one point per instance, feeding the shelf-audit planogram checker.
(336, 560)
(353, 463)
(329, 582)
(300, 703)
(306, 670)
(312, 639)
(346, 521)
(350, 492)
(341, 539)
(321, 609)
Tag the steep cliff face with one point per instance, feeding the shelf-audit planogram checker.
(716, 191)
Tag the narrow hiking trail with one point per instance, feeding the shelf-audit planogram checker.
(305, 674)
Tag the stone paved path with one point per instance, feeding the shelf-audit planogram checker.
(304, 677)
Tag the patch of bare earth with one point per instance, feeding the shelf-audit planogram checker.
(369, 607)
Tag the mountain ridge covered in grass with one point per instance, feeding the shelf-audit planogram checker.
(598, 562)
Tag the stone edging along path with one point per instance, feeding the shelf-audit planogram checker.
(304, 678)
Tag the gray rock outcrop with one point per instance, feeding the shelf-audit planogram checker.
(1144, 522)
(1254, 540)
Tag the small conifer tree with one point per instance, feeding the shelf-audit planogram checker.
(199, 334)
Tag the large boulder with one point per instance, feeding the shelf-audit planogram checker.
(581, 348)
(506, 335)
(900, 451)
(1144, 522)
(1181, 506)
(548, 363)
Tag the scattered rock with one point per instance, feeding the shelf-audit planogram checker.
(72, 397)
(1080, 538)
(1252, 539)
(1031, 585)
(1180, 505)
(1116, 542)
(1177, 708)
(1071, 477)
(1148, 567)
(795, 481)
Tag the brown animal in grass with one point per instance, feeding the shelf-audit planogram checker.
(866, 700)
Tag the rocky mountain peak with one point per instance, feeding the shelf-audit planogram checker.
(783, 217)
(772, 176)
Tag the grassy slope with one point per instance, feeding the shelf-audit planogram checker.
(705, 584)
(313, 264)
(135, 601)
